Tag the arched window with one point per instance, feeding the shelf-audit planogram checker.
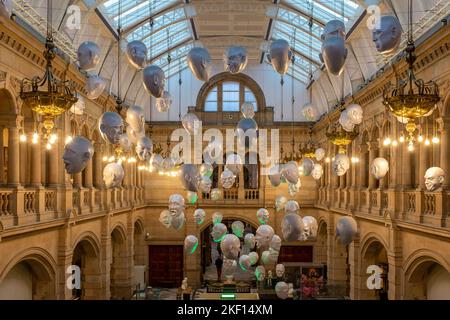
(228, 96)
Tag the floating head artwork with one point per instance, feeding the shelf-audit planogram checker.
(144, 148)
(341, 164)
(191, 123)
(230, 246)
(248, 110)
(282, 290)
(346, 230)
(199, 61)
(134, 136)
(79, 106)
(264, 235)
(216, 194)
(205, 184)
(260, 273)
(190, 177)
(206, 170)
(379, 168)
(235, 59)
(238, 228)
(280, 202)
(292, 227)
(219, 231)
(247, 133)
(265, 258)
(319, 154)
(135, 118)
(199, 216)
(275, 175)
(250, 240)
(308, 166)
(88, 55)
(95, 86)
(387, 34)
(309, 112)
(156, 161)
(345, 122)
(354, 113)
(227, 178)
(154, 80)
(233, 163)
(333, 52)
(137, 54)
(290, 172)
(76, 154)
(317, 171)
(110, 127)
(310, 228)
(125, 143)
(176, 204)
(245, 262)
(113, 175)
(253, 257)
(190, 244)
(262, 215)
(292, 207)
(280, 55)
(178, 222)
(279, 270)
(217, 217)
(165, 218)
(275, 243)
(434, 178)
(191, 197)
(293, 189)
(164, 103)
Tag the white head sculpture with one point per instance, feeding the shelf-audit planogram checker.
(379, 168)
(387, 34)
(94, 86)
(265, 258)
(216, 194)
(190, 177)
(227, 178)
(275, 243)
(434, 178)
(248, 110)
(206, 170)
(219, 231)
(280, 55)
(282, 289)
(238, 228)
(199, 216)
(230, 246)
(250, 240)
(154, 80)
(199, 61)
(113, 175)
(260, 273)
(176, 204)
(135, 118)
(134, 136)
(341, 164)
(125, 143)
(111, 127)
(233, 163)
(320, 153)
(191, 197)
(275, 175)
(235, 59)
(156, 161)
(264, 235)
(76, 154)
(88, 55)
(293, 189)
(279, 270)
(292, 227)
(205, 184)
(191, 123)
(190, 244)
(311, 226)
(262, 215)
(165, 218)
(346, 230)
(79, 106)
(177, 222)
(334, 52)
(355, 113)
(144, 148)
(137, 54)
(217, 217)
(292, 207)
(309, 112)
(317, 171)
(290, 172)
(280, 202)
(345, 121)
(308, 166)
(6, 8)
(253, 257)
(164, 103)
(245, 262)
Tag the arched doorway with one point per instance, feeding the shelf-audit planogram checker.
(119, 271)
(139, 257)
(32, 278)
(86, 257)
(375, 254)
(211, 250)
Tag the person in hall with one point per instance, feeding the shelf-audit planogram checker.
(219, 263)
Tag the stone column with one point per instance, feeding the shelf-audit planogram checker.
(77, 180)
(424, 158)
(36, 164)
(2, 159)
(98, 165)
(53, 166)
(13, 157)
(373, 148)
(362, 166)
(405, 170)
(445, 150)
(384, 153)
(88, 174)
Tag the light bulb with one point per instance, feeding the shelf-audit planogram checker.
(420, 138)
(427, 142)
(111, 159)
(48, 146)
(119, 161)
(435, 140)
(332, 159)
(394, 143)
(124, 158)
(35, 138)
(68, 139)
(401, 139)
(410, 146)
(23, 137)
(387, 141)
(105, 158)
(327, 160)
(53, 138)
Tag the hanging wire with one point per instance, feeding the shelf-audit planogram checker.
(292, 92)
(180, 82)
(310, 23)
(119, 39)
(169, 57)
(49, 19)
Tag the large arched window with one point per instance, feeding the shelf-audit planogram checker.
(228, 96)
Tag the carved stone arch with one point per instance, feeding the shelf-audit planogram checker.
(446, 106)
(120, 230)
(74, 128)
(226, 77)
(369, 239)
(85, 132)
(375, 132)
(8, 104)
(90, 238)
(139, 222)
(386, 128)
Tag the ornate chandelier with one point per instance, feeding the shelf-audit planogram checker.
(48, 96)
(411, 98)
(308, 151)
(339, 137)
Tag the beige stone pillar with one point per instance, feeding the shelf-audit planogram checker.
(424, 162)
(13, 157)
(384, 153)
(405, 170)
(54, 178)
(445, 150)
(88, 175)
(77, 180)
(2, 159)
(373, 149)
(98, 165)
(36, 164)
(362, 166)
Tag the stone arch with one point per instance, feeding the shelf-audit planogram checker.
(321, 245)
(42, 267)
(446, 106)
(235, 216)
(139, 251)
(90, 238)
(119, 230)
(8, 105)
(121, 259)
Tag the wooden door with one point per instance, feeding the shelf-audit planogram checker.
(165, 266)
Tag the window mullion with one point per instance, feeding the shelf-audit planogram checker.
(241, 95)
(219, 97)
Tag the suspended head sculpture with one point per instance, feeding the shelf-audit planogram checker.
(262, 215)
(319, 154)
(245, 262)
(280, 202)
(217, 218)
(260, 273)
(144, 148)
(290, 172)
(191, 197)
(125, 143)
(434, 178)
(275, 243)
(311, 226)
(230, 246)
(199, 61)
(76, 154)
(137, 54)
(176, 204)
(379, 168)
(354, 113)
(345, 121)
(275, 175)
(189, 177)
(249, 240)
(279, 270)
(233, 163)
(293, 189)
(292, 207)
(264, 235)
(248, 110)
(178, 222)
(88, 55)
(216, 194)
(205, 184)
(94, 86)
(280, 55)
(253, 257)
(199, 216)
(218, 232)
(110, 126)
(227, 178)
(235, 59)
(165, 218)
(190, 244)
(387, 34)
(346, 230)
(79, 106)
(317, 171)
(282, 290)
(206, 170)
(333, 52)
(163, 104)
(247, 133)
(341, 164)
(308, 166)
(292, 227)
(309, 112)
(113, 175)
(154, 80)
(238, 228)
(191, 123)
(156, 161)
(135, 118)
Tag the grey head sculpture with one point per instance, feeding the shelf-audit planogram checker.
(334, 53)
(434, 178)
(387, 35)
(6, 8)
(76, 154)
(154, 80)
(308, 166)
(280, 55)
(135, 118)
(235, 59)
(134, 136)
(137, 54)
(275, 175)
(125, 143)
(346, 230)
(88, 55)
(110, 126)
(190, 177)
(163, 104)
(231, 246)
(94, 86)
(199, 61)
(178, 222)
(113, 175)
(144, 148)
(292, 227)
